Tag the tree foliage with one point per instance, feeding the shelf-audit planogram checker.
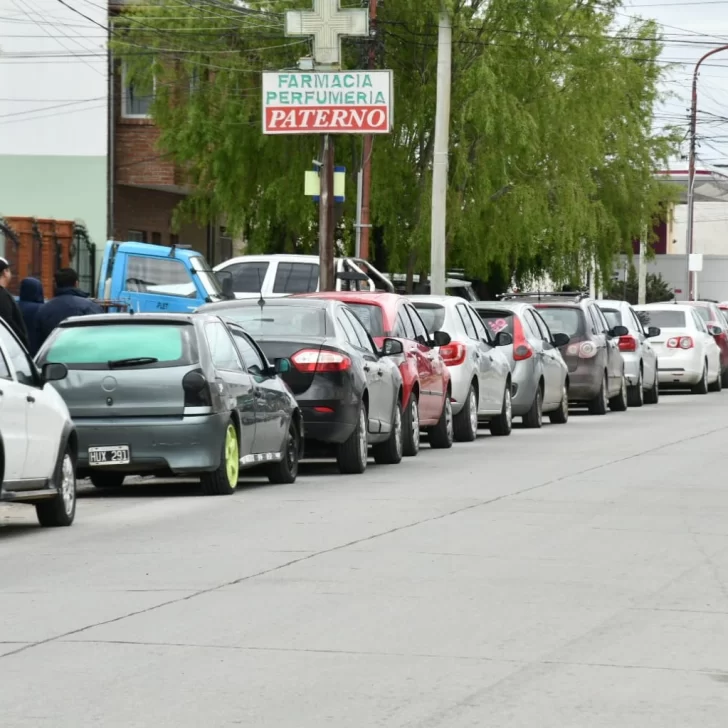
(657, 289)
(552, 148)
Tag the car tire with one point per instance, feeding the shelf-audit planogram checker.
(717, 385)
(702, 386)
(619, 403)
(60, 510)
(465, 422)
(600, 404)
(652, 395)
(636, 394)
(285, 471)
(389, 452)
(533, 419)
(561, 415)
(352, 455)
(224, 479)
(502, 425)
(442, 435)
(411, 427)
(106, 480)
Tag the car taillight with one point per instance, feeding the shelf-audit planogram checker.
(521, 348)
(584, 350)
(627, 343)
(453, 354)
(312, 361)
(196, 389)
(680, 342)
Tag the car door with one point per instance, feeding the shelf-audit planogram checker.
(272, 406)
(238, 384)
(13, 422)
(553, 364)
(429, 371)
(154, 285)
(490, 394)
(616, 363)
(649, 357)
(712, 352)
(606, 346)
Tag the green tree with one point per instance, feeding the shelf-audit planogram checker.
(552, 148)
(657, 289)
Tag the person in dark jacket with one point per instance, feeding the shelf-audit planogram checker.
(9, 310)
(31, 299)
(69, 301)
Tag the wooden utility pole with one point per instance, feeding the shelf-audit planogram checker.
(326, 216)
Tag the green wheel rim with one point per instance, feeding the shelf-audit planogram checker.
(232, 461)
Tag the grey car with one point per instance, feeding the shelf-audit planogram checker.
(173, 394)
(540, 376)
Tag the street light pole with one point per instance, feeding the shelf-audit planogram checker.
(691, 168)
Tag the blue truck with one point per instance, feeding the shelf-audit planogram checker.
(140, 278)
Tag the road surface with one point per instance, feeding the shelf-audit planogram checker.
(573, 577)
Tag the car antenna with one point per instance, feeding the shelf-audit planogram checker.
(261, 300)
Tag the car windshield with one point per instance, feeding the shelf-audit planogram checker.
(663, 318)
(497, 321)
(613, 316)
(370, 316)
(95, 346)
(432, 314)
(563, 320)
(207, 277)
(277, 320)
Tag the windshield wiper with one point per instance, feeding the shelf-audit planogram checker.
(132, 362)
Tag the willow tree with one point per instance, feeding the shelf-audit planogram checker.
(552, 144)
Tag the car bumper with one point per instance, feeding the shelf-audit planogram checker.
(631, 367)
(328, 421)
(585, 381)
(156, 445)
(461, 377)
(524, 387)
(676, 367)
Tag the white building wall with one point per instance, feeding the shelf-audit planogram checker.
(710, 229)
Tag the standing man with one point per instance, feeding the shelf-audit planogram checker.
(69, 301)
(9, 310)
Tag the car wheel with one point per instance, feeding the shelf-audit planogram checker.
(465, 422)
(561, 415)
(107, 480)
(717, 385)
(411, 428)
(503, 423)
(652, 396)
(533, 419)
(620, 403)
(224, 480)
(352, 455)
(61, 509)
(286, 470)
(636, 394)
(600, 404)
(442, 434)
(702, 386)
(389, 452)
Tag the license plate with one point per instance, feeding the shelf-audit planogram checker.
(112, 455)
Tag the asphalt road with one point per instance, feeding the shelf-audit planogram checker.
(573, 577)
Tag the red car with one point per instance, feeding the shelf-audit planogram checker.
(425, 377)
(711, 314)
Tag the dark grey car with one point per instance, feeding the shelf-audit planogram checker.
(173, 394)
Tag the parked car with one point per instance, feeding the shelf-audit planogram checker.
(174, 394)
(350, 391)
(711, 314)
(687, 355)
(425, 378)
(480, 374)
(540, 375)
(596, 368)
(38, 445)
(640, 359)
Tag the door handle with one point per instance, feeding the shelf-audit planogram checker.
(30, 398)
(367, 368)
(380, 372)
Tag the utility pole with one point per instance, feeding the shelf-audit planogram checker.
(365, 181)
(440, 157)
(642, 273)
(326, 217)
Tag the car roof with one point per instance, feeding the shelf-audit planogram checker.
(425, 298)
(667, 306)
(508, 305)
(614, 302)
(378, 297)
(702, 304)
(322, 303)
(551, 303)
(142, 318)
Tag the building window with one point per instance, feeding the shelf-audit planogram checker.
(173, 239)
(136, 97)
(156, 238)
(137, 236)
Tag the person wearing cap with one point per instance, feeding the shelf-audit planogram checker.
(9, 310)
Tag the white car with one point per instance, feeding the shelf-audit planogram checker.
(480, 373)
(37, 437)
(687, 355)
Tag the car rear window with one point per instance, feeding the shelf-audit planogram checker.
(94, 347)
(563, 320)
(497, 321)
(277, 320)
(663, 318)
(432, 314)
(613, 316)
(370, 317)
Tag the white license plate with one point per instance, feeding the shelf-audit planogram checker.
(113, 455)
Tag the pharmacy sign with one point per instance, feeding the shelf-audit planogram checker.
(327, 102)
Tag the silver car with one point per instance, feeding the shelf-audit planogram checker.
(479, 371)
(640, 359)
(540, 375)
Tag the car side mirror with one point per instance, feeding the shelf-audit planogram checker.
(560, 340)
(441, 338)
(503, 338)
(714, 330)
(618, 331)
(391, 347)
(281, 366)
(652, 332)
(53, 372)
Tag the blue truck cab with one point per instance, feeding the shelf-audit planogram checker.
(139, 278)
